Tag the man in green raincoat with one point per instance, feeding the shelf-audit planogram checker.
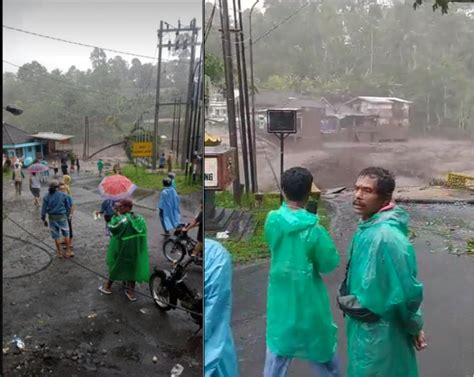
(381, 277)
(299, 319)
(127, 255)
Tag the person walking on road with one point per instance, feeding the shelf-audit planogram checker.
(18, 177)
(299, 319)
(381, 295)
(78, 166)
(55, 168)
(63, 187)
(64, 166)
(127, 254)
(35, 188)
(168, 205)
(57, 206)
(172, 176)
(220, 358)
(100, 166)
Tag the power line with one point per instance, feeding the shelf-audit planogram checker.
(282, 22)
(78, 43)
(95, 272)
(211, 18)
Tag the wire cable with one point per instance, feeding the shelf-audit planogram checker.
(77, 43)
(95, 272)
(282, 22)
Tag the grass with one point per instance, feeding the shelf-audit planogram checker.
(144, 179)
(256, 248)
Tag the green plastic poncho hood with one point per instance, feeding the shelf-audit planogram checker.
(299, 319)
(383, 277)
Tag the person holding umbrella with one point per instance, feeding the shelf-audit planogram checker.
(127, 254)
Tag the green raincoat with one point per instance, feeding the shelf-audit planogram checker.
(382, 275)
(127, 255)
(299, 319)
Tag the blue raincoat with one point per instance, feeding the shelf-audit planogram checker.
(220, 356)
(169, 204)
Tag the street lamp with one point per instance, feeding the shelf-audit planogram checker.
(253, 93)
(13, 110)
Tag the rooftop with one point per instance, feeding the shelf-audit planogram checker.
(13, 135)
(52, 136)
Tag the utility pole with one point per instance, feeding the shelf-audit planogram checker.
(85, 150)
(252, 83)
(157, 100)
(179, 127)
(174, 124)
(187, 115)
(229, 80)
(250, 132)
(241, 102)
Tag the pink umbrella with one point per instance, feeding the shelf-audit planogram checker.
(37, 168)
(116, 187)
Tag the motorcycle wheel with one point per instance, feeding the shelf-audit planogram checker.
(174, 251)
(160, 294)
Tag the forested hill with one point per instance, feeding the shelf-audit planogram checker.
(113, 94)
(346, 48)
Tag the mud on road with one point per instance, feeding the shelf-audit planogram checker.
(67, 326)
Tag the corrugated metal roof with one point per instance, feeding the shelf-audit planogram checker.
(380, 99)
(52, 136)
(13, 135)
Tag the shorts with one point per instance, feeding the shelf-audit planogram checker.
(35, 192)
(58, 228)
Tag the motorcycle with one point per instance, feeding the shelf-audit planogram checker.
(175, 248)
(168, 288)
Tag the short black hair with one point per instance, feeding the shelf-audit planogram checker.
(296, 183)
(385, 185)
(167, 182)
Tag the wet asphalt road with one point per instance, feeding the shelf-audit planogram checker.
(448, 304)
(69, 328)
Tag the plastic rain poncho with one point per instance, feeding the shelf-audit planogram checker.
(220, 357)
(169, 203)
(299, 319)
(382, 276)
(127, 255)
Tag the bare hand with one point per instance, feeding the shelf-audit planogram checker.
(420, 341)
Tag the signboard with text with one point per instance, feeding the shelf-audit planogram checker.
(218, 168)
(142, 149)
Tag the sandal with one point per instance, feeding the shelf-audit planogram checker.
(104, 290)
(129, 296)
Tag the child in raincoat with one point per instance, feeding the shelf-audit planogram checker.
(299, 318)
(382, 277)
(220, 358)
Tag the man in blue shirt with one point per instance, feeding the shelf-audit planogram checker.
(57, 206)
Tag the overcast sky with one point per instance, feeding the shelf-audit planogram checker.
(123, 25)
